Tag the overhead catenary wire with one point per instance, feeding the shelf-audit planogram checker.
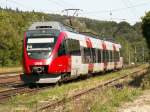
(117, 9)
(126, 3)
(63, 4)
(17, 3)
(69, 4)
(57, 3)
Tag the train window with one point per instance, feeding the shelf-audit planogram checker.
(96, 53)
(110, 55)
(89, 55)
(116, 56)
(82, 54)
(99, 56)
(105, 55)
(86, 55)
(73, 47)
(62, 50)
(93, 55)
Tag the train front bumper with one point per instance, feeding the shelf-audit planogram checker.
(40, 78)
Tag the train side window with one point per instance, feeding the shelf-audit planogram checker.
(103, 52)
(86, 55)
(105, 55)
(96, 53)
(99, 56)
(110, 55)
(73, 47)
(93, 55)
(82, 54)
(89, 55)
(116, 56)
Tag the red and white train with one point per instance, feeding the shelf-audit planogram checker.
(53, 52)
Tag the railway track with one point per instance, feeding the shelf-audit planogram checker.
(21, 89)
(9, 80)
(13, 78)
(112, 82)
(9, 73)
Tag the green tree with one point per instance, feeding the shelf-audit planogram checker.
(146, 28)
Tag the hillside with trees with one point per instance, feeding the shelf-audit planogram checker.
(13, 24)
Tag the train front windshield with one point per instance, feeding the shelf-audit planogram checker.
(40, 43)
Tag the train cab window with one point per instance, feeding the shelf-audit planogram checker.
(73, 47)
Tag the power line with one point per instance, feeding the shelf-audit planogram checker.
(57, 3)
(17, 3)
(117, 9)
(131, 9)
(62, 4)
(68, 3)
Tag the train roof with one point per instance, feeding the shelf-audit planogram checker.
(51, 25)
(45, 25)
(62, 27)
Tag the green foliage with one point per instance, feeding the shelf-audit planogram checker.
(113, 98)
(146, 28)
(13, 24)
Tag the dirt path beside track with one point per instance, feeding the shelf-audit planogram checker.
(140, 104)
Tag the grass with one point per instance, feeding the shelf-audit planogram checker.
(102, 101)
(60, 92)
(10, 69)
(114, 97)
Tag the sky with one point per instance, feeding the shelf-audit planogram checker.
(108, 10)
